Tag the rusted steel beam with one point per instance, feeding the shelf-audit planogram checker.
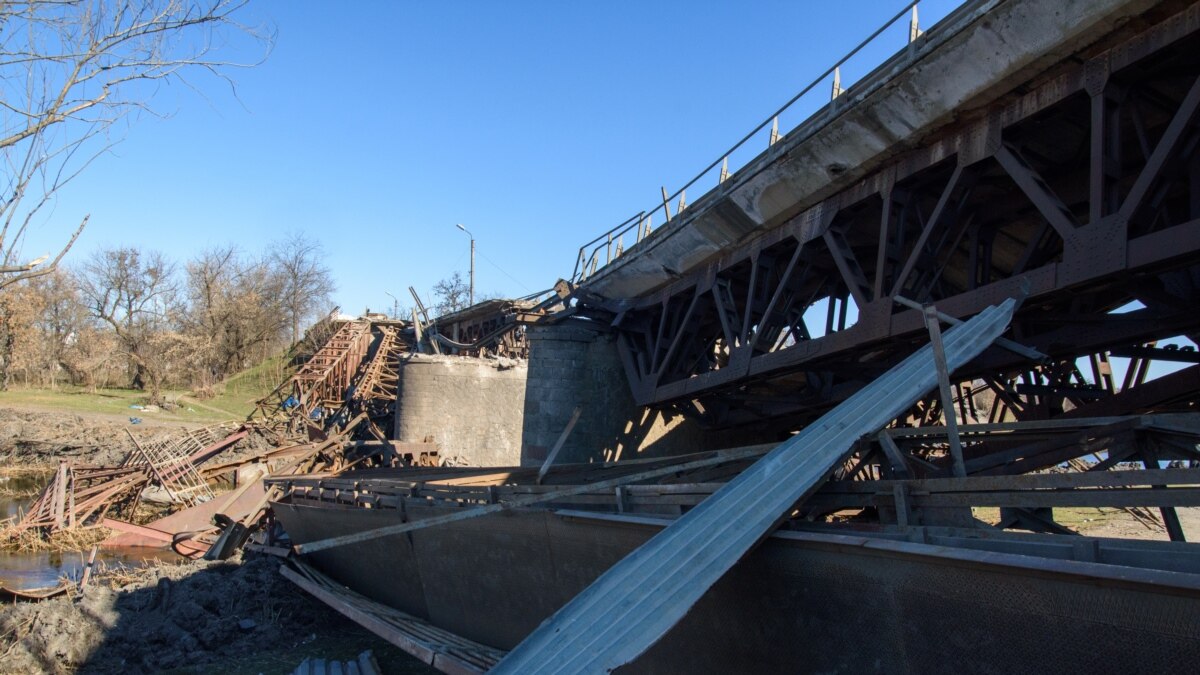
(519, 502)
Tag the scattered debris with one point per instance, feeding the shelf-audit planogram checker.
(85, 496)
(334, 414)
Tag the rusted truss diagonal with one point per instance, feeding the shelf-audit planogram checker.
(378, 377)
(373, 393)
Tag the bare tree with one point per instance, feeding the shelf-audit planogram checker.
(306, 284)
(452, 294)
(235, 310)
(67, 334)
(19, 310)
(135, 294)
(70, 70)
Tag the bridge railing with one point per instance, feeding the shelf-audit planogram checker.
(610, 245)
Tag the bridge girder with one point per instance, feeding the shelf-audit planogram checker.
(1079, 190)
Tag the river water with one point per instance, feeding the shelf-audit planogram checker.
(41, 569)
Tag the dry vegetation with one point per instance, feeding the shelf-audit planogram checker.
(129, 318)
(33, 540)
(74, 76)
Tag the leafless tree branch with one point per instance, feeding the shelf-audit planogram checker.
(72, 69)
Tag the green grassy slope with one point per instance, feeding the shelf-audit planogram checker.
(234, 398)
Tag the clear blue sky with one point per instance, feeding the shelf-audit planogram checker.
(376, 126)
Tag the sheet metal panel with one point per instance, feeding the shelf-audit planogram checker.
(639, 599)
(391, 558)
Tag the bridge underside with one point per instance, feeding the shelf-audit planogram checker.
(1079, 190)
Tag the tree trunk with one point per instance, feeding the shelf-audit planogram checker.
(7, 343)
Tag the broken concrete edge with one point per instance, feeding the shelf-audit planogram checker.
(497, 362)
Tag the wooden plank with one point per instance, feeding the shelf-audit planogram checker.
(87, 569)
(60, 487)
(355, 610)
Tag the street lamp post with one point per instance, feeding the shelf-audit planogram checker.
(471, 292)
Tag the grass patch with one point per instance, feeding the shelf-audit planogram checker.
(1084, 518)
(237, 395)
(34, 540)
(1081, 519)
(114, 402)
(234, 398)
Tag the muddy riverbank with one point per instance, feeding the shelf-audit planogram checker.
(147, 610)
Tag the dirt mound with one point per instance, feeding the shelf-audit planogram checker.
(165, 617)
(34, 437)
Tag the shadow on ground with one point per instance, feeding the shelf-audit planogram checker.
(193, 618)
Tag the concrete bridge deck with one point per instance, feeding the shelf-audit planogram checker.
(954, 72)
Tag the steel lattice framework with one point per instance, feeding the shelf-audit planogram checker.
(1079, 190)
(319, 388)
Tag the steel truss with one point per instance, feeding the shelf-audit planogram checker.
(320, 387)
(1026, 469)
(1079, 190)
(374, 392)
(493, 328)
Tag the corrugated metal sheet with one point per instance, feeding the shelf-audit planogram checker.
(639, 599)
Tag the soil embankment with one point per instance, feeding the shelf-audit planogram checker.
(31, 438)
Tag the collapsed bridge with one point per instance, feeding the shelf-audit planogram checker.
(1039, 152)
(1061, 169)
(744, 442)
